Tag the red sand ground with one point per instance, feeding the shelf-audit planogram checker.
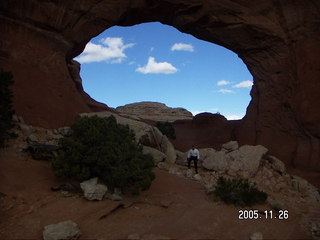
(173, 207)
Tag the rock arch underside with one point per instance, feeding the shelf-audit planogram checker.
(278, 40)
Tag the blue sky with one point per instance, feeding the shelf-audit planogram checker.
(156, 62)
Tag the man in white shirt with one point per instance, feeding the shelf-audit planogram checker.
(193, 155)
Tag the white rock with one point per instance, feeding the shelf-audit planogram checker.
(197, 177)
(230, 146)
(214, 160)
(62, 230)
(64, 131)
(246, 158)
(27, 129)
(92, 190)
(115, 197)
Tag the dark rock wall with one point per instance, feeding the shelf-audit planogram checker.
(278, 40)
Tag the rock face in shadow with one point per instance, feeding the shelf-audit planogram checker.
(277, 40)
(205, 130)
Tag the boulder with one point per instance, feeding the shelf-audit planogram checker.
(277, 164)
(181, 158)
(214, 160)
(246, 158)
(156, 154)
(92, 190)
(230, 146)
(168, 149)
(62, 230)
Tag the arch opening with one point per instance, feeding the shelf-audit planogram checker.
(156, 62)
(278, 41)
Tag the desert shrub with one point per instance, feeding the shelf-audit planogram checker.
(6, 109)
(239, 192)
(100, 147)
(166, 128)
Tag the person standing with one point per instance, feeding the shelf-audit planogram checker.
(193, 155)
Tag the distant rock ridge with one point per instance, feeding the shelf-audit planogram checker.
(154, 111)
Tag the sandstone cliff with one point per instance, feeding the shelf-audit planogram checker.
(154, 111)
(278, 40)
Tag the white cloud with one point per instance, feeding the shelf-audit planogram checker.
(157, 67)
(195, 112)
(182, 47)
(234, 117)
(223, 82)
(110, 50)
(225, 91)
(244, 84)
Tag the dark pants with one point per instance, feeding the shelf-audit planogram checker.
(195, 161)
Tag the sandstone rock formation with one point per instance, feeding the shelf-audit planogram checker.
(144, 133)
(154, 111)
(156, 154)
(277, 40)
(205, 130)
(243, 161)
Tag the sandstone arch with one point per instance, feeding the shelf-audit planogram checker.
(277, 39)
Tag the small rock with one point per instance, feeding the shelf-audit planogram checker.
(62, 230)
(92, 190)
(189, 173)
(277, 164)
(115, 197)
(163, 166)
(33, 138)
(64, 131)
(197, 177)
(27, 129)
(165, 203)
(256, 236)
